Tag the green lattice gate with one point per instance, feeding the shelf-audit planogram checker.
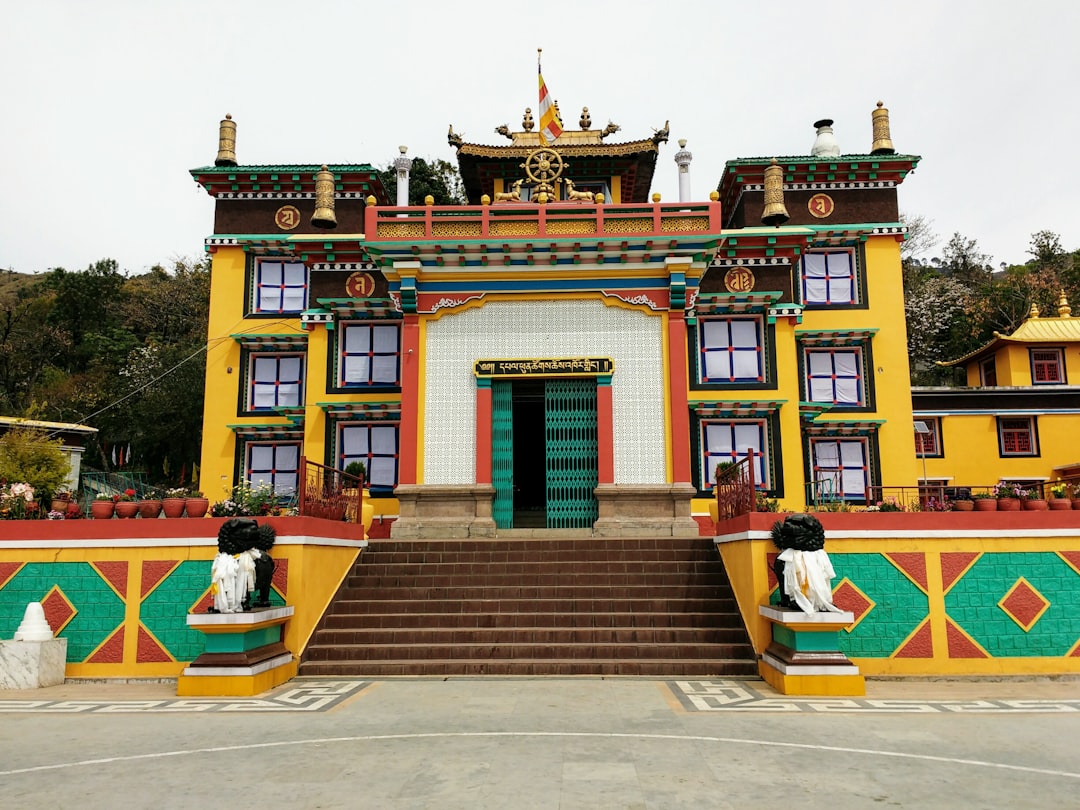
(502, 452)
(571, 466)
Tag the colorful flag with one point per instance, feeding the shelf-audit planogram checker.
(550, 125)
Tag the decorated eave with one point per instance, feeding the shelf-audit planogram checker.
(367, 308)
(633, 162)
(833, 337)
(280, 342)
(763, 245)
(847, 235)
(808, 172)
(384, 411)
(1060, 330)
(264, 430)
(351, 181)
(854, 427)
(728, 409)
(344, 251)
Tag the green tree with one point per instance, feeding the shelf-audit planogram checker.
(436, 177)
(29, 456)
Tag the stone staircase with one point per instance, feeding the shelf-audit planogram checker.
(584, 606)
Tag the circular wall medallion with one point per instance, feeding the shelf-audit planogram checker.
(739, 279)
(360, 285)
(287, 217)
(821, 206)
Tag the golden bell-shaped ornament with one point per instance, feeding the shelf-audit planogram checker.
(882, 139)
(774, 212)
(324, 200)
(226, 151)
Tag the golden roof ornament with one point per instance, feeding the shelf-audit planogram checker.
(882, 140)
(226, 151)
(527, 122)
(1064, 310)
(324, 200)
(586, 119)
(504, 130)
(1034, 311)
(610, 129)
(774, 212)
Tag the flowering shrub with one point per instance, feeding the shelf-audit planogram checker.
(1007, 489)
(246, 501)
(933, 504)
(55, 515)
(126, 495)
(176, 492)
(17, 502)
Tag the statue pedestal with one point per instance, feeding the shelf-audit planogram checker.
(32, 664)
(245, 654)
(804, 657)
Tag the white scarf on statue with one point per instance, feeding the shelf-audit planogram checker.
(808, 580)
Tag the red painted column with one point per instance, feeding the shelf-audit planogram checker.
(483, 431)
(680, 408)
(605, 430)
(408, 438)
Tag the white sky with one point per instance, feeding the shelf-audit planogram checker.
(108, 104)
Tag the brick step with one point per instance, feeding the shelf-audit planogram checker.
(655, 579)
(533, 543)
(464, 621)
(647, 604)
(673, 668)
(598, 556)
(503, 592)
(509, 650)
(368, 567)
(388, 636)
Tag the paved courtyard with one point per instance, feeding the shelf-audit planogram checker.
(550, 743)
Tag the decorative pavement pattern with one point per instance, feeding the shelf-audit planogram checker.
(726, 696)
(297, 696)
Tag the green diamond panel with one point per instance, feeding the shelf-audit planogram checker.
(901, 606)
(100, 610)
(972, 604)
(572, 466)
(502, 453)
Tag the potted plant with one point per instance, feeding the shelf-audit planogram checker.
(60, 500)
(985, 502)
(150, 504)
(174, 502)
(1008, 496)
(1032, 501)
(126, 505)
(102, 507)
(196, 504)
(1059, 497)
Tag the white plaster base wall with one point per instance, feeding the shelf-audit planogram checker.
(32, 664)
(534, 329)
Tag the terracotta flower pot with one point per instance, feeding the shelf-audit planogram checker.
(963, 506)
(1034, 505)
(150, 508)
(986, 505)
(1060, 504)
(102, 510)
(127, 509)
(173, 507)
(197, 507)
(1008, 504)
(60, 504)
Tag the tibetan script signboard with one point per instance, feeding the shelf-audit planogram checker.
(545, 367)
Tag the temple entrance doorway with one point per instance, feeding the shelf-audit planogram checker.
(544, 453)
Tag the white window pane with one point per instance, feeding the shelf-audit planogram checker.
(264, 369)
(854, 483)
(382, 472)
(384, 440)
(846, 363)
(852, 454)
(746, 364)
(718, 439)
(356, 369)
(270, 273)
(814, 265)
(385, 369)
(840, 290)
(714, 334)
(357, 339)
(288, 394)
(826, 454)
(264, 396)
(262, 457)
(815, 290)
(290, 369)
(287, 457)
(717, 365)
(295, 273)
(744, 334)
(821, 391)
(270, 298)
(285, 483)
(260, 479)
(354, 441)
(386, 338)
(847, 392)
(292, 299)
(747, 437)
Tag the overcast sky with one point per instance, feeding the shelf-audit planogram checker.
(108, 104)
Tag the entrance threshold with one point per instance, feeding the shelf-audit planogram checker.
(541, 534)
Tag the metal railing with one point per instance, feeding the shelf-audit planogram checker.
(735, 490)
(329, 493)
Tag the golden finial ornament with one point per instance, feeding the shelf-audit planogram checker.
(882, 140)
(370, 199)
(429, 200)
(527, 122)
(714, 195)
(656, 197)
(226, 150)
(586, 119)
(324, 200)
(1034, 311)
(485, 199)
(774, 212)
(598, 198)
(1064, 310)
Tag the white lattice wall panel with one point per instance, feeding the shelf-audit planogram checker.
(531, 329)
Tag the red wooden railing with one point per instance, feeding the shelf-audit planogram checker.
(329, 493)
(735, 490)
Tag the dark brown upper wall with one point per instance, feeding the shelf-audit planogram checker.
(855, 205)
(257, 216)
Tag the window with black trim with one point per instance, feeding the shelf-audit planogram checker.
(731, 440)
(369, 354)
(273, 463)
(988, 372)
(279, 287)
(928, 445)
(840, 468)
(1017, 436)
(830, 278)
(274, 381)
(731, 349)
(835, 375)
(1047, 366)
(375, 445)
